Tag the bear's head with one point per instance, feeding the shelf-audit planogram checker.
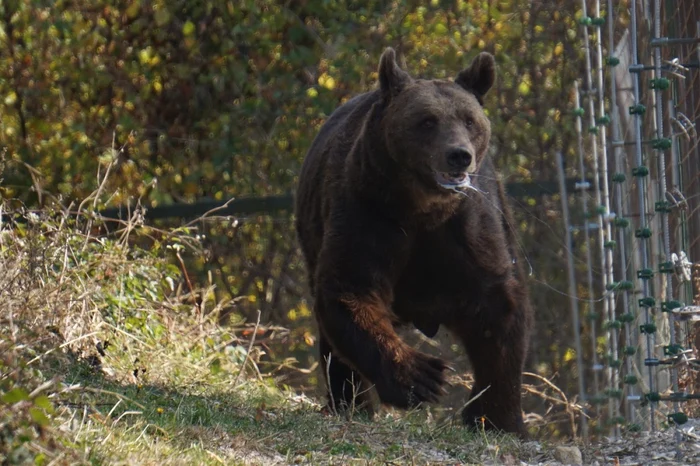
(437, 129)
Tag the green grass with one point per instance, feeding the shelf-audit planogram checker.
(105, 360)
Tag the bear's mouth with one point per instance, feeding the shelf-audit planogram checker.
(452, 180)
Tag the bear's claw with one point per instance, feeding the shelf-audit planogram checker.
(420, 380)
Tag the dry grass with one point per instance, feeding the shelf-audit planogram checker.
(106, 358)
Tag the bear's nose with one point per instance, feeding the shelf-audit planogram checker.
(459, 158)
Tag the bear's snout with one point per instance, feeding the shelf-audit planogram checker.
(459, 159)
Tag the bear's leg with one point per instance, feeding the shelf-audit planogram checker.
(496, 343)
(361, 330)
(362, 256)
(346, 389)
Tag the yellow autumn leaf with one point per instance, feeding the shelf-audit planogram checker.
(441, 29)
(188, 28)
(524, 86)
(304, 310)
(558, 49)
(326, 81)
(11, 98)
(145, 55)
(569, 355)
(309, 339)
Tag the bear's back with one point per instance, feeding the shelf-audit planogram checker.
(324, 161)
(341, 128)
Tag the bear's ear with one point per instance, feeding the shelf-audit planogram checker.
(392, 79)
(480, 75)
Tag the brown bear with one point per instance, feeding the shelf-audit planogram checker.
(402, 219)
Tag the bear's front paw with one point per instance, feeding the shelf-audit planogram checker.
(418, 378)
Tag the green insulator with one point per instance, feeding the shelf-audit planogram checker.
(668, 306)
(604, 120)
(611, 244)
(630, 350)
(654, 397)
(616, 324)
(593, 130)
(600, 210)
(626, 285)
(638, 109)
(626, 318)
(640, 171)
(612, 61)
(666, 267)
(677, 418)
(662, 206)
(647, 329)
(659, 84)
(631, 380)
(647, 302)
(661, 144)
(592, 316)
(673, 350)
(613, 393)
(598, 21)
(619, 178)
(621, 222)
(579, 112)
(645, 274)
(616, 363)
(643, 233)
(585, 21)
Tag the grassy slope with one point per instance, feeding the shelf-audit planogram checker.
(102, 361)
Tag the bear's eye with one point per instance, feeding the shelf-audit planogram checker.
(469, 122)
(428, 122)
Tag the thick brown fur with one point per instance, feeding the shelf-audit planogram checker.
(387, 242)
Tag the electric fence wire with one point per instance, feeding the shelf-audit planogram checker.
(595, 128)
(648, 328)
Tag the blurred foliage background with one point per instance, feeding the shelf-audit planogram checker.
(188, 100)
